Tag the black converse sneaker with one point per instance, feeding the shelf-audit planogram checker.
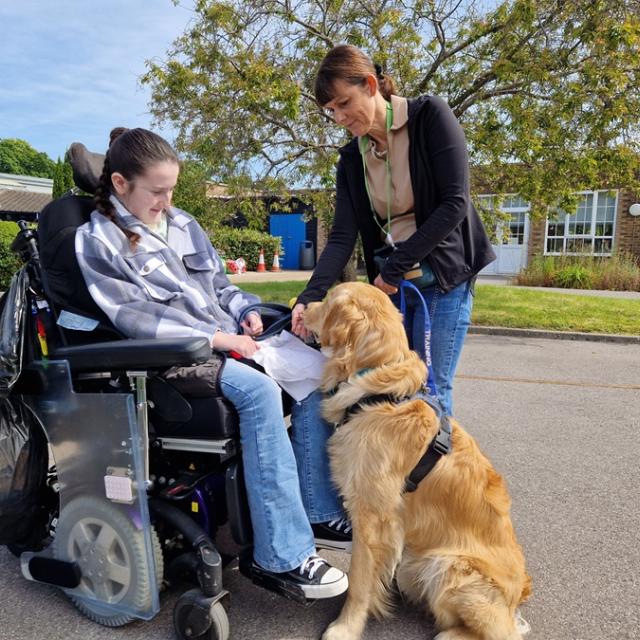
(317, 578)
(335, 534)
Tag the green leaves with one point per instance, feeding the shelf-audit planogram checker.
(20, 158)
(62, 178)
(546, 90)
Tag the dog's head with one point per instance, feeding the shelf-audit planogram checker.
(361, 328)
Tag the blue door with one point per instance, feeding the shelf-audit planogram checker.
(291, 228)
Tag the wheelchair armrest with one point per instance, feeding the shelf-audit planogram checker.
(156, 353)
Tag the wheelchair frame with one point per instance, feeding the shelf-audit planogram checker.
(200, 612)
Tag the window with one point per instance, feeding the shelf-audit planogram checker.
(587, 231)
(513, 231)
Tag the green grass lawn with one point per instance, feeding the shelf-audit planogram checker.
(533, 309)
(516, 307)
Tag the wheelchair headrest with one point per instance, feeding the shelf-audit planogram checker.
(86, 166)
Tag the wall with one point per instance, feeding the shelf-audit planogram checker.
(627, 236)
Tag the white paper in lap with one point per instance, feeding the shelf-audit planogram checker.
(294, 365)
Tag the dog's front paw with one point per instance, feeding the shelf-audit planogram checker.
(339, 631)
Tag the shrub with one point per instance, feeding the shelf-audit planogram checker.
(620, 272)
(539, 273)
(9, 262)
(574, 276)
(245, 243)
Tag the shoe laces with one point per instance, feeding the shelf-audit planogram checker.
(311, 565)
(339, 523)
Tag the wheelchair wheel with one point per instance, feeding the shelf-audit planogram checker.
(195, 618)
(111, 553)
(219, 622)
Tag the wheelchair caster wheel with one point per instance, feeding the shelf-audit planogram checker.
(197, 617)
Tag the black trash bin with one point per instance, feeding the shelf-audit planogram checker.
(307, 255)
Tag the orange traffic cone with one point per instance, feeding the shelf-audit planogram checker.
(261, 266)
(276, 262)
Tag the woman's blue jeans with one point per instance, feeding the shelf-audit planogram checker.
(450, 315)
(282, 535)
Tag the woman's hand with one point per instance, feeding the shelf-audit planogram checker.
(252, 324)
(246, 346)
(389, 289)
(297, 321)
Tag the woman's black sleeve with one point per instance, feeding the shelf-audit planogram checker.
(340, 244)
(445, 148)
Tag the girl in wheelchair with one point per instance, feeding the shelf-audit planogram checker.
(152, 270)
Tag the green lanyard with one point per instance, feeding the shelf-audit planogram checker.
(363, 143)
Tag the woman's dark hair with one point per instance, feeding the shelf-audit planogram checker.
(131, 152)
(348, 63)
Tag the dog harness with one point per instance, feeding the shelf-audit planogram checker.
(440, 445)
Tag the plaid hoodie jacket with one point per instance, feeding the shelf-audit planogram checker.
(158, 289)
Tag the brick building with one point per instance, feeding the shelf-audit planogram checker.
(600, 225)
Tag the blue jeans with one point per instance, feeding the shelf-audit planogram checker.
(282, 535)
(450, 315)
(309, 437)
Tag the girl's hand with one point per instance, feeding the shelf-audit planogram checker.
(252, 324)
(246, 346)
(383, 286)
(297, 321)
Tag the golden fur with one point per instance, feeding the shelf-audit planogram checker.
(450, 544)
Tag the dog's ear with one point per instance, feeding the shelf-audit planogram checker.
(381, 338)
(336, 326)
(363, 327)
(341, 315)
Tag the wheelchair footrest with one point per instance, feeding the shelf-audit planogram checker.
(270, 581)
(51, 571)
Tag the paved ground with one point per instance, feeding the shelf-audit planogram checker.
(560, 420)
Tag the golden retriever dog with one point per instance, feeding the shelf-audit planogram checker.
(450, 544)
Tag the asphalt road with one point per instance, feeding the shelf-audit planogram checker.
(560, 420)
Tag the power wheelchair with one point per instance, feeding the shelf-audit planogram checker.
(132, 479)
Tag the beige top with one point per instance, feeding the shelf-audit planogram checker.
(403, 220)
(162, 228)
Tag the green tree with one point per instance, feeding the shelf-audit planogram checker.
(215, 204)
(191, 190)
(62, 178)
(20, 158)
(546, 90)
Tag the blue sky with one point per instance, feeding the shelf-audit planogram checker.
(69, 69)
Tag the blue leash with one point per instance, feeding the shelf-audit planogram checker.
(405, 285)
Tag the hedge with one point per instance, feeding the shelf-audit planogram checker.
(229, 242)
(233, 243)
(9, 262)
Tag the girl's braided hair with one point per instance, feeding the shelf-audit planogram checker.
(131, 152)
